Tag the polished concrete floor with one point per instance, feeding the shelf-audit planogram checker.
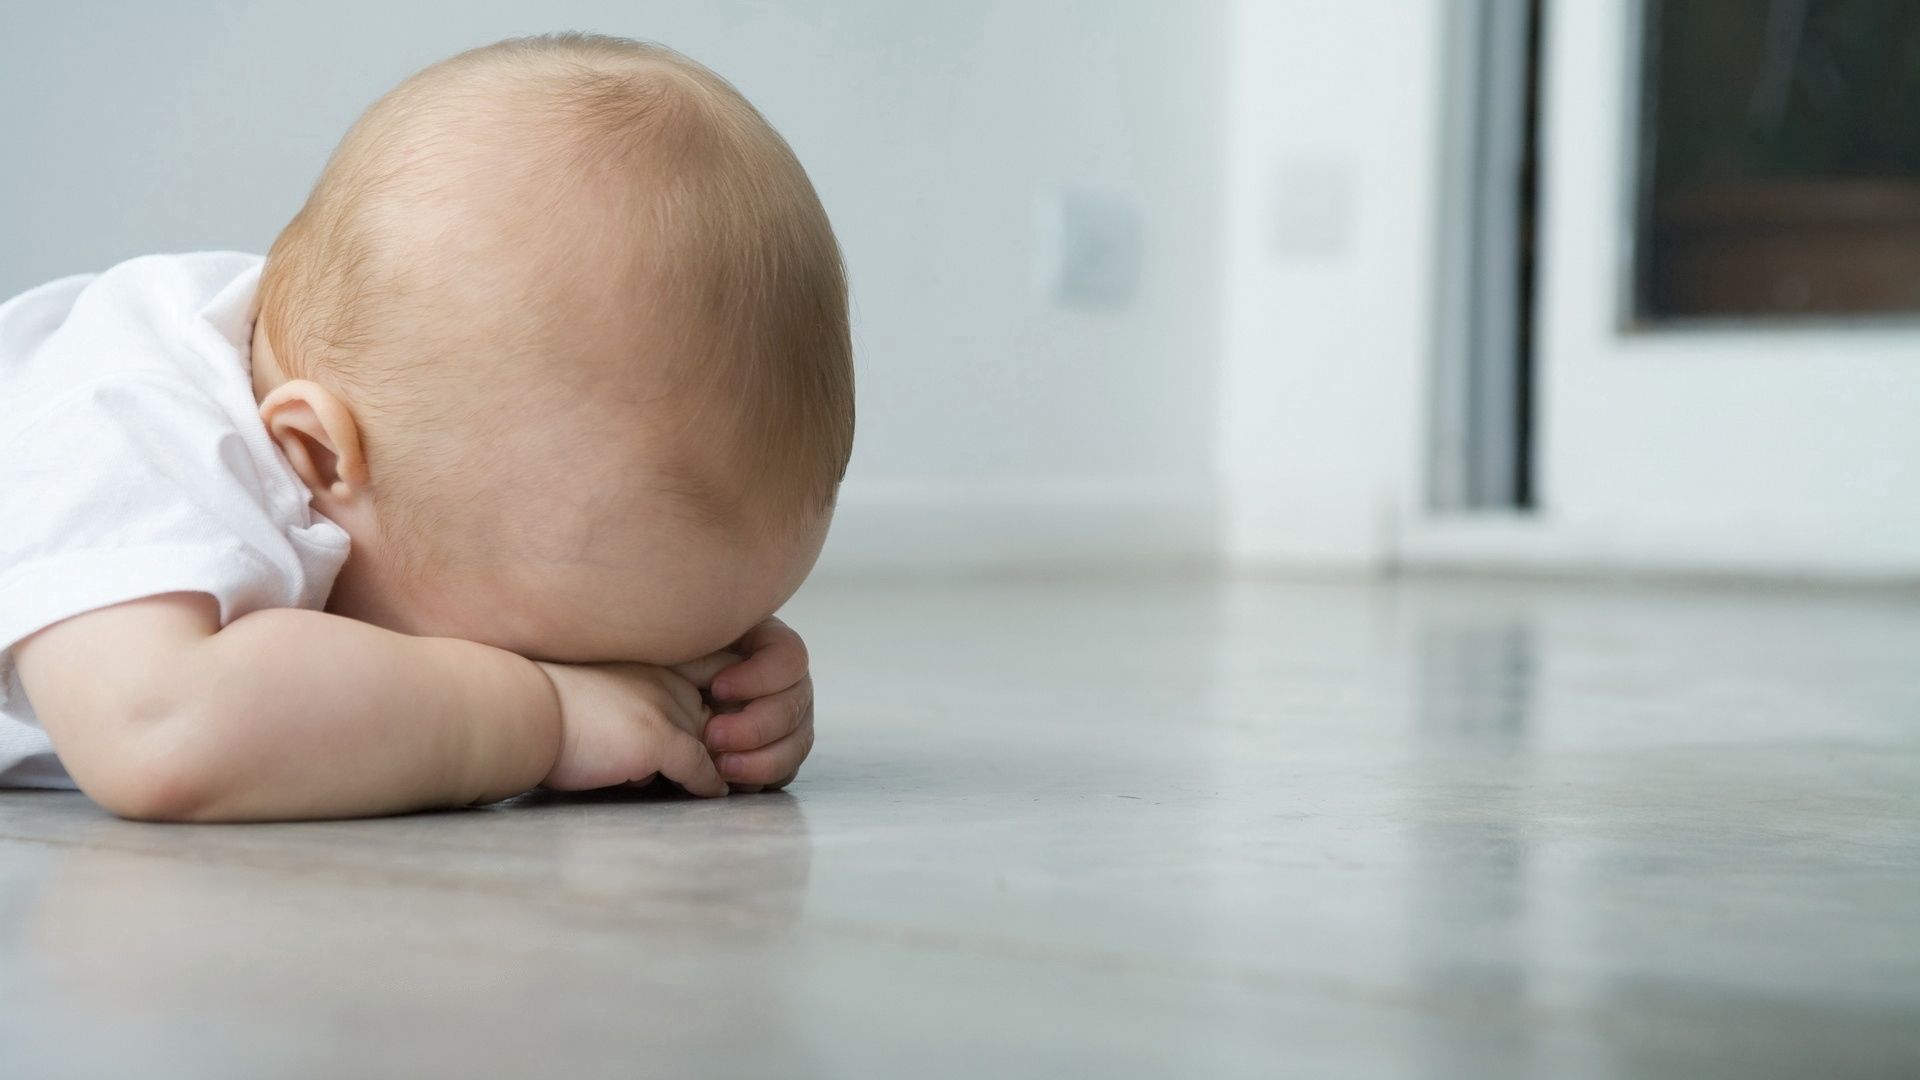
(1432, 829)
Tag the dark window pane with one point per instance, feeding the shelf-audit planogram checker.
(1780, 158)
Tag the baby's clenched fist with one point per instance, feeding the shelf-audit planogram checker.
(630, 723)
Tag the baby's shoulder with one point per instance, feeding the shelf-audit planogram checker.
(153, 318)
(157, 292)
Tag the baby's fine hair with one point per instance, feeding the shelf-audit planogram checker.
(618, 149)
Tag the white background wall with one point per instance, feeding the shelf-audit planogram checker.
(1334, 176)
(1263, 395)
(995, 426)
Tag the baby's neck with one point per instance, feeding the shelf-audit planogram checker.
(365, 592)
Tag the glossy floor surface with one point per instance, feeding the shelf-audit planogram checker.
(1427, 829)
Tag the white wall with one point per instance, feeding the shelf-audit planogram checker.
(1263, 394)
(995, 427)
(1334, 178)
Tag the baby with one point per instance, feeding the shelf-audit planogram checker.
(491, 477)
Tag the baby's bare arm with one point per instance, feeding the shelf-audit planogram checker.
(159, 713)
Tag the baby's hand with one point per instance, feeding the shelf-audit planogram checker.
(628, 723)
(763, 744)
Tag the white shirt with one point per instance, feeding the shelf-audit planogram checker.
(133, 463)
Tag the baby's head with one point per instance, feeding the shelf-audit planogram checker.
(561, 339)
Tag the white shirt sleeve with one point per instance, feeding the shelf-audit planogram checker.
(132, 486)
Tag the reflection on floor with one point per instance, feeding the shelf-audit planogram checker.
(1202, 829)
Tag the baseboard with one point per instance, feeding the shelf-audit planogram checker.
(1540, 546)
(941, 528)
(949, 528)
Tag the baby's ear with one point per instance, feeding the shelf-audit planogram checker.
(317, 433)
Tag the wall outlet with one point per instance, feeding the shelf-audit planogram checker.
(1087, 248)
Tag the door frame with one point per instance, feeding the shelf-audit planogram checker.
(1742, 448)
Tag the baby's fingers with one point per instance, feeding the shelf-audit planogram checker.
(685, 762)
(770, 766)
(776, 659)
(764, 720)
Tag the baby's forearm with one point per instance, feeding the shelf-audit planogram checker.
(320, 716)
(160, 713)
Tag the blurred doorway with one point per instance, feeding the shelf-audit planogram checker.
(1679, 289)
(1727, 345)
(1483, 418)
